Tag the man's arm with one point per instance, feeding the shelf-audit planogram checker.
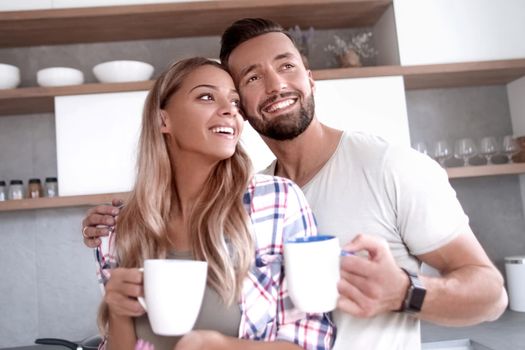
(469, 291)
(99, 222)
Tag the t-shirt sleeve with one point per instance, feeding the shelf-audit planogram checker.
(428, 211)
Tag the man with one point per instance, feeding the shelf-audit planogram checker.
(367, 193)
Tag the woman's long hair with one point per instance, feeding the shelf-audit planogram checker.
(219, 224)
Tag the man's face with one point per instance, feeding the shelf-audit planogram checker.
(275, 87)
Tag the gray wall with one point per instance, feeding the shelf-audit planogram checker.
(493, 203)
(48, 286)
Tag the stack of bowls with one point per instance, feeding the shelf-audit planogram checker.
(122, 71)
(59, 76)
(9, 76)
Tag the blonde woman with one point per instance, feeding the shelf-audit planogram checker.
(195, 197)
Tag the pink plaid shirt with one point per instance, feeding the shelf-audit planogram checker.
(278, 211)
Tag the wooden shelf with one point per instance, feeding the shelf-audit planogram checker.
(438, 75)
(96, 199)
(201, 18)
(486, 170)
(40, 99)
(58, 202)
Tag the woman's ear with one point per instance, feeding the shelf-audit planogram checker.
(164, 121)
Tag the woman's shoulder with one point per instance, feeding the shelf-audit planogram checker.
(269, 183)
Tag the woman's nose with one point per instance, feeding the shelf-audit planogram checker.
(228, 109)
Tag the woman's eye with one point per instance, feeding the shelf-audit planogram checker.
(236, 103)
(206, 97)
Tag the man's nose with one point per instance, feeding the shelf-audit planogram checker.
(275, 83)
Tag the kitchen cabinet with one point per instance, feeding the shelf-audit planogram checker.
(156, 21)
(445, 31)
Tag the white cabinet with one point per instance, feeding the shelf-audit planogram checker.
(350, 104)
(97, 137)
(446, 31)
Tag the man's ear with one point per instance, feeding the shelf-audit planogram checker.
(311, 80)
(164, 121)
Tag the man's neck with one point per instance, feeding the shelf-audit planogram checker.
(301, 159)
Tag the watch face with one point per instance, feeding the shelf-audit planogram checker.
(417, 297)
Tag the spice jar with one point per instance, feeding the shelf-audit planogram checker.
(34, 188)
(3, 191)
(51, 187)
(16, 189)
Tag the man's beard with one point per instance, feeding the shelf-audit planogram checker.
(286, 126)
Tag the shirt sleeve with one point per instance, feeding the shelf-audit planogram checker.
(429, 214)
(105, 259)
(308, 330)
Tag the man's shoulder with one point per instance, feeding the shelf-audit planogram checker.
(365, 148)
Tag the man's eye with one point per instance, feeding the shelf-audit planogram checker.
(236, 103)
(288, 66)
(252, 79)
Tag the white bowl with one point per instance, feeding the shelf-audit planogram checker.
(59, 76)
(9, 76)
(122, 71)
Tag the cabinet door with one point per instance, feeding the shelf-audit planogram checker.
(97, 137)
(373, 105)
(446, 31)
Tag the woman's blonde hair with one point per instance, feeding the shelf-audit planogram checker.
(219, 224)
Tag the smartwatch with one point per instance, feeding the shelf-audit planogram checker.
(415, 294)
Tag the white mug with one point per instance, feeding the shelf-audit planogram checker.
(173, 292)
(312, 267)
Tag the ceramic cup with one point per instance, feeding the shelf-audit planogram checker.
(173, 292)
(312, 271)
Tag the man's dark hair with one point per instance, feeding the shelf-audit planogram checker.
(244, 30)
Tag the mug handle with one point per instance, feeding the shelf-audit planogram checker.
(141, 300)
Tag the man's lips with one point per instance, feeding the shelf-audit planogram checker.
(282, 104)
(278, 103)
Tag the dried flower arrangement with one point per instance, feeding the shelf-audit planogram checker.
(351, 52)
(303, 39)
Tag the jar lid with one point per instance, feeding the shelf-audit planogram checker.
(518, 259)
(34, 181)
(16, 182)
(2, 183)
(51, 179)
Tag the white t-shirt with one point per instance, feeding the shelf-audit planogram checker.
(369, 186)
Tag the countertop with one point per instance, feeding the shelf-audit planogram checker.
(506, 333)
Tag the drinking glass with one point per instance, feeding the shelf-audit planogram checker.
(465, 149)
(510, 147)
(442, 152)
(488, 146)
(421, 147)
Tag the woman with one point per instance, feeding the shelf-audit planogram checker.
(196, 197)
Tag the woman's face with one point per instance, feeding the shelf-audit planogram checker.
(202, 118)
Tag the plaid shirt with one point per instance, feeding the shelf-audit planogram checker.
(278, 211)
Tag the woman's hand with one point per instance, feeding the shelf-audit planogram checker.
(122, 290)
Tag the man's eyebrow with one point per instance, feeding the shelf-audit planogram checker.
(252, 67)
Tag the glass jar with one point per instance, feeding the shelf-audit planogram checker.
(34, 188)
(16, 189)
(3, 191)
(51, 187)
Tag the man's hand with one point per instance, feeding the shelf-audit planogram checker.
(373, 285)
(100, 221)
(122, 290)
